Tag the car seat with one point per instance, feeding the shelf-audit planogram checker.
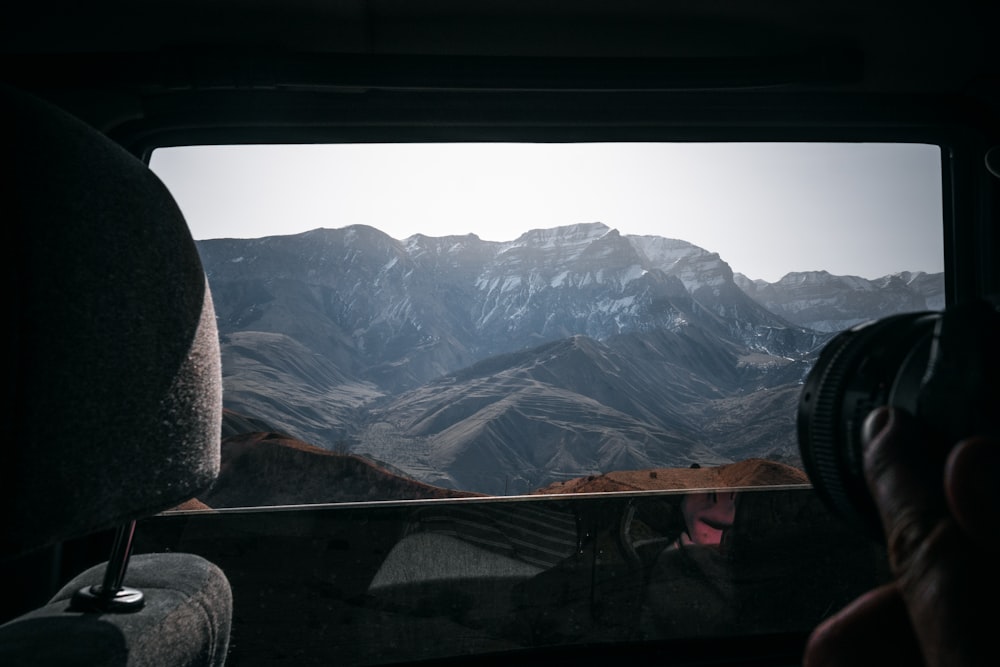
(114, 397)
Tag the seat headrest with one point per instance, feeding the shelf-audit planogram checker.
(117, 382)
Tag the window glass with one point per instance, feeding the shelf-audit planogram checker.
(413, 321)
(489, 397)
(388, 583)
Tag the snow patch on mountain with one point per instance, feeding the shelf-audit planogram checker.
(825, 302)
(564, 237)
(696, 267)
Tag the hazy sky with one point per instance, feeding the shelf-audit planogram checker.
(767, 209)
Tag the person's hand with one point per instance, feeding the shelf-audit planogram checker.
(943, 539)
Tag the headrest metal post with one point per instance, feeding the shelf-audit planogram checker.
(111, 596)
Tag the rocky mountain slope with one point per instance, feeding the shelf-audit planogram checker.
(264, 469)
(824, 302)
(746, 473)
(500, 367)
(518, 421)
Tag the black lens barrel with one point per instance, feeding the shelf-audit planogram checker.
(854, 374)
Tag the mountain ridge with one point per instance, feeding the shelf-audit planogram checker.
(826, 302)
(487, 365)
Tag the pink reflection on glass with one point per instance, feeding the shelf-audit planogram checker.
(707, 516)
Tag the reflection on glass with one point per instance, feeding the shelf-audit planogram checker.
(389, 583)
(707, 517)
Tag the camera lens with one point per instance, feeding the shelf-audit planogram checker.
(941, 367)
(870, 365)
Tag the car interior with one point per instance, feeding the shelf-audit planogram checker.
(156, 512)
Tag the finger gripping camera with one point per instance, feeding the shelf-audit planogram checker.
(942, 367)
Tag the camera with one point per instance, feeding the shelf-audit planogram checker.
(943, 367)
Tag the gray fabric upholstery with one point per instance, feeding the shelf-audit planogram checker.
(185, 621)
(116, 386)
(117, 379)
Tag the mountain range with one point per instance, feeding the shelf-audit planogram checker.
(503, 367)
(824, 302)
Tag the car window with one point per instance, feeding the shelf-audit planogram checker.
(480, 398)
(403, 321)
